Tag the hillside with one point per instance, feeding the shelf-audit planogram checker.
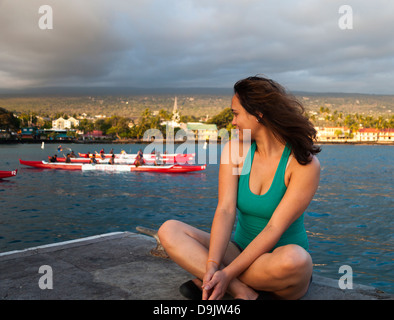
(349, 103)
(193, 103)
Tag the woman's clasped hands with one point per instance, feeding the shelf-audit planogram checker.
(215, 283)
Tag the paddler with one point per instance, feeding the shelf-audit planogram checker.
(102, 153)
(158, 159)
(93, 159)
(112, 159)
(139, 160)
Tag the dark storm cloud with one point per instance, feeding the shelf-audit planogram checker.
(200, 43)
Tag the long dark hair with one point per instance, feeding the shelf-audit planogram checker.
(280, 112)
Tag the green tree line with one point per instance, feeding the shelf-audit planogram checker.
(353, 121)
(126, 127)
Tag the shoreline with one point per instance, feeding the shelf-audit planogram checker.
(164, 141)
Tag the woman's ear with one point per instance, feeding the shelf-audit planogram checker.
(259, 117)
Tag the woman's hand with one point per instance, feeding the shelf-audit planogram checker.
(210, 271)
(216, 287)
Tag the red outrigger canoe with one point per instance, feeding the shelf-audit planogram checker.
(8, 174)
(176, 168)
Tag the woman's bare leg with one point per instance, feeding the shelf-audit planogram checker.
(188, 247)
(285, 272)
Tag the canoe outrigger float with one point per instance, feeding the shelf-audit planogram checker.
(175, 168)
(8, 174)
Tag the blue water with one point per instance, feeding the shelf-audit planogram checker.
(349, 222)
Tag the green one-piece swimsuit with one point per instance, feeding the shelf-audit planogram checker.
(256, 210)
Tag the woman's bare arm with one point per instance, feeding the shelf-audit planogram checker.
(225, 213)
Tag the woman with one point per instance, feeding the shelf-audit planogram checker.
(271, 184)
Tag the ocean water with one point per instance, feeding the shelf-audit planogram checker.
(349, 222)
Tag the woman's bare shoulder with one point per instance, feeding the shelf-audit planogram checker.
(312, 168)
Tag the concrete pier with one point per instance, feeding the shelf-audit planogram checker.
(118, 266)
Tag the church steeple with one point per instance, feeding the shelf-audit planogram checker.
(175, 114)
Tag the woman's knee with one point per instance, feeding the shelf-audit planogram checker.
(294, 261)
(173, 233)
(167, 230)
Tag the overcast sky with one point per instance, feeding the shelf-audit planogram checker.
(198, 43)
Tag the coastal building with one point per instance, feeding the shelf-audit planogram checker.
(367, 135)
(61, 134)
(338, 134)
(28, 132)
(94, 135)
(386, 135)
(62, 123)
(203, 131)
(4, 134)
(332, 133)
(375, 135)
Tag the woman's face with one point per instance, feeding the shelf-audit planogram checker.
(243, 120)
